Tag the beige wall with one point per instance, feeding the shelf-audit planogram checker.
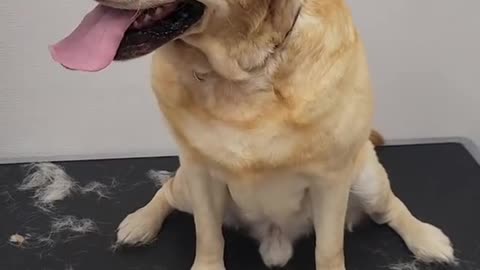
(424, 59)
(425, 64)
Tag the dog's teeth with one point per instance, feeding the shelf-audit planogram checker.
(136, 24)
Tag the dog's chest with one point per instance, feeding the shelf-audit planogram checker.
(236, 149)
(276, 199)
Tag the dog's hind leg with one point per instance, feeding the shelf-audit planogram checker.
(142, 226)
(373, 191)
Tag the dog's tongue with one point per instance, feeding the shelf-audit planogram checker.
(94, 43)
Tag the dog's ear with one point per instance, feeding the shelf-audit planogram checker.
(283, 13)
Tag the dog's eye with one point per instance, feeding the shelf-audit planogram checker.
(198, 77)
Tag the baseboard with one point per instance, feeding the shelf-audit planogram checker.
(469, 145)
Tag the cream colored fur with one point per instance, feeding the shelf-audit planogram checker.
(272, 114)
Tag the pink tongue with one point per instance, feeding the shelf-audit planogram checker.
(93, 44)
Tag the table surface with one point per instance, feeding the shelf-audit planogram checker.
(439, 182)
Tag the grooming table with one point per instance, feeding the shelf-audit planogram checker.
(440, 183)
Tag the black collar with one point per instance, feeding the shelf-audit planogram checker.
(287, 35)
(278, 48)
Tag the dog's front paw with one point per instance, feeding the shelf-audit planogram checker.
(139, 228)
(430, 244)
(208, 266)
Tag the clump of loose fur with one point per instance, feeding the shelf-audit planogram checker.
(31, 241)
(42, 241)
(17, 240)
(418, 265)
(102, 190)
(159, 178)
(50, 182)
(404, 266)
(73, 224)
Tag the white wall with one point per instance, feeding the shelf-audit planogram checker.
(423, 56)
(48, 111)
(425, 63)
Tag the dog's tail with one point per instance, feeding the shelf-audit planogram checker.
(376, 138)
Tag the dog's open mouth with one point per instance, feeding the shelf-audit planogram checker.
(107, 34)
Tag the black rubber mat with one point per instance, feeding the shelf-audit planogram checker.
(440, 183)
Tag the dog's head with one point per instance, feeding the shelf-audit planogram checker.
(127, 29)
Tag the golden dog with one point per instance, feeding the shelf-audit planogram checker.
(271, 105)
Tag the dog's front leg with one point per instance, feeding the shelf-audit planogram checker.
(208, 198)
(329, 199)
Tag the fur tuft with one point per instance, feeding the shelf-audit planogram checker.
(376, 138)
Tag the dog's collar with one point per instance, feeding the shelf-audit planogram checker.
(289, 32)
(278, 47)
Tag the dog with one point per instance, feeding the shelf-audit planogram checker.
(271, 105)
